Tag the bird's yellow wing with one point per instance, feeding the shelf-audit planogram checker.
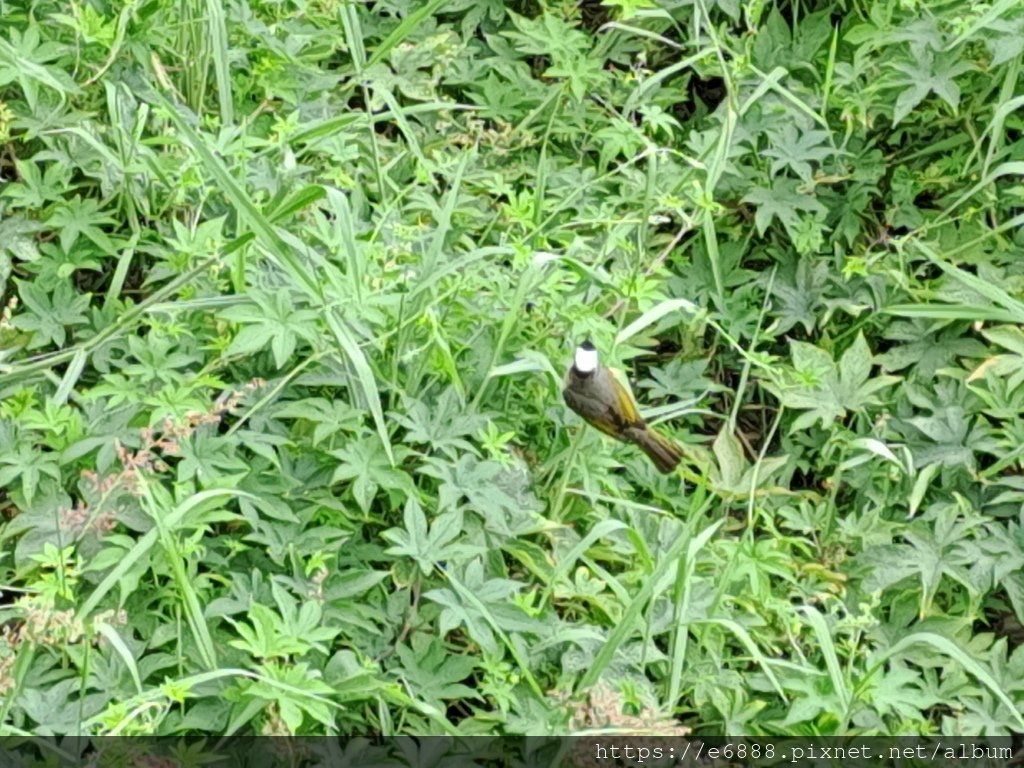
(627, 403)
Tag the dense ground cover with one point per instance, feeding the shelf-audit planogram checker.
(288, 292)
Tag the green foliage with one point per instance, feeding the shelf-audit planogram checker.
(288, 292)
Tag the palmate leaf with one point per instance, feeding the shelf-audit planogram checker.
(37, 525)
(270, 320)
(36, 187)
(332, 418)
(617, 139)
(942, 554)
(1002, 561)
(210, 459)
(925, 350)
(296, 689)
(494, 492)
(800, 295)
(812, 695)
(434, 672)
(1007, 666)
(799, 152)
(940, 545)
(547, 35)
(25, 463)
(50, 314)
(366, 464)
(782, 201)
(481, 606)
(927, 74)
(1008, 41)
(899, 691)
(305, 621)
(78, 217)
(57, 708)
(500, 98)
(264, 636)
(947, 432)
(884, 565)
(429, 546)
(442, 426)
(827, 390)
(25, 60)
(986, 716)
(568, 49)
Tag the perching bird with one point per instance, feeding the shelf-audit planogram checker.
(593, 391)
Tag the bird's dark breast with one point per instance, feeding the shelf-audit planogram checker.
(585, 406)
(592, 407)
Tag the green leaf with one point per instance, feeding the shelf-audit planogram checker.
(782, 201)
(926, 74)
(434, 672)
(797, 151)
(826, 390)
(428, 547)
(366, 464)
(22, 462)
(49, 315)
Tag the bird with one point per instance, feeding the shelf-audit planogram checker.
(593, 391)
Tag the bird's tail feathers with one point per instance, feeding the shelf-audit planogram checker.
(659, 449)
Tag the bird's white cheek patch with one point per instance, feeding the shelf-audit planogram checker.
(586, 360)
